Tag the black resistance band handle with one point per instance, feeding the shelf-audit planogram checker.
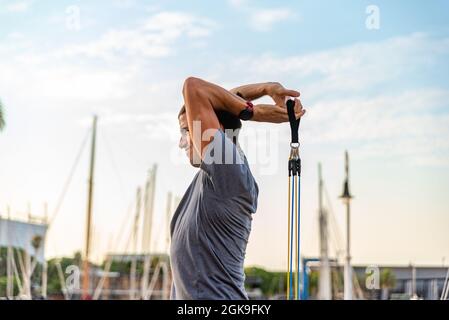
(294, 123)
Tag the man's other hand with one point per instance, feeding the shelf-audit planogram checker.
(278, 93)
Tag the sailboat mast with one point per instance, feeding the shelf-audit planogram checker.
(167, 221)
(133, 272)
(147, 224)
(324, 291)
(346, 197)
(86, 271)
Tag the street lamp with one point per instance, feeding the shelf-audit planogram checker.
(346, 197)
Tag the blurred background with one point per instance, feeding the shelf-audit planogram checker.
(90, 172)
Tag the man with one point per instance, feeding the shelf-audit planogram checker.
(211, 226)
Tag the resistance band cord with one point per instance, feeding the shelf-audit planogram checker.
(294, 187)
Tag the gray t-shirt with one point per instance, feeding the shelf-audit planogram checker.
(211, 226)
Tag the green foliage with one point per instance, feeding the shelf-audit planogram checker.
(36, 278)
(3, 285)
(124, 267)
(271, 282)
(53, 282)
(387, 279)
(313, 282)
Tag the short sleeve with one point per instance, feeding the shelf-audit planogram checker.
(226, 166)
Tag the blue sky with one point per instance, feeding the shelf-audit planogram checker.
(382, 94)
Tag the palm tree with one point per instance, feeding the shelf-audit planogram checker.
(2, 117)
(387, 282)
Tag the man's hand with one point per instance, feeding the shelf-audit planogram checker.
(276, 113)
(278, 93)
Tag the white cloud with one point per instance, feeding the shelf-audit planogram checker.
(238, 3)
(264, 19)
(154, 38)
(15, 36)
(158, 126)
(59, 82)
(401, 126)
(351, 69)
(357, 97)
(20, 6)
(124, 3)
(336, 88)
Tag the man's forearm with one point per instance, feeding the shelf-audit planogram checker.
(269, 113)
(274, 113)
(252, 91)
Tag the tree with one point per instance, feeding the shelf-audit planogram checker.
(2, 116)
(270, 283)
(387, 282)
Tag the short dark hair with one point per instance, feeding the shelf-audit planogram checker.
(227, 119)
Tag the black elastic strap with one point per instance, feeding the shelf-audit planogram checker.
(294, 123)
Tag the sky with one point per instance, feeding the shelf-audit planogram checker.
(373, 76)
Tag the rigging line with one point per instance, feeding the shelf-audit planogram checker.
(337, 250)
(110, 260)
(113, 162)
(122, 229)
(125, 249)
(116, 172)
(114, 166)
(16, 273)
(445, 290)
(337, 233)
(98, 290)
(126, 152)
(334, 241)
(157, 239)
(118, 238)
(69, 180)
(62, 283)
(332, 238)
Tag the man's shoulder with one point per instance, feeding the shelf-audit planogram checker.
(222, 150)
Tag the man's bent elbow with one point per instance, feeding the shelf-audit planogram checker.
(191, 85)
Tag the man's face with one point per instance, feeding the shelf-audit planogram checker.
(185, 142)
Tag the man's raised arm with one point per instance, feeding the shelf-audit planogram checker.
(257, 90)
(252, 91)
(276, 113)
(202, 98)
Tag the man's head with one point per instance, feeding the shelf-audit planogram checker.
(227, 122)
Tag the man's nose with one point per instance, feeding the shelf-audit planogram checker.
(182, 142)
